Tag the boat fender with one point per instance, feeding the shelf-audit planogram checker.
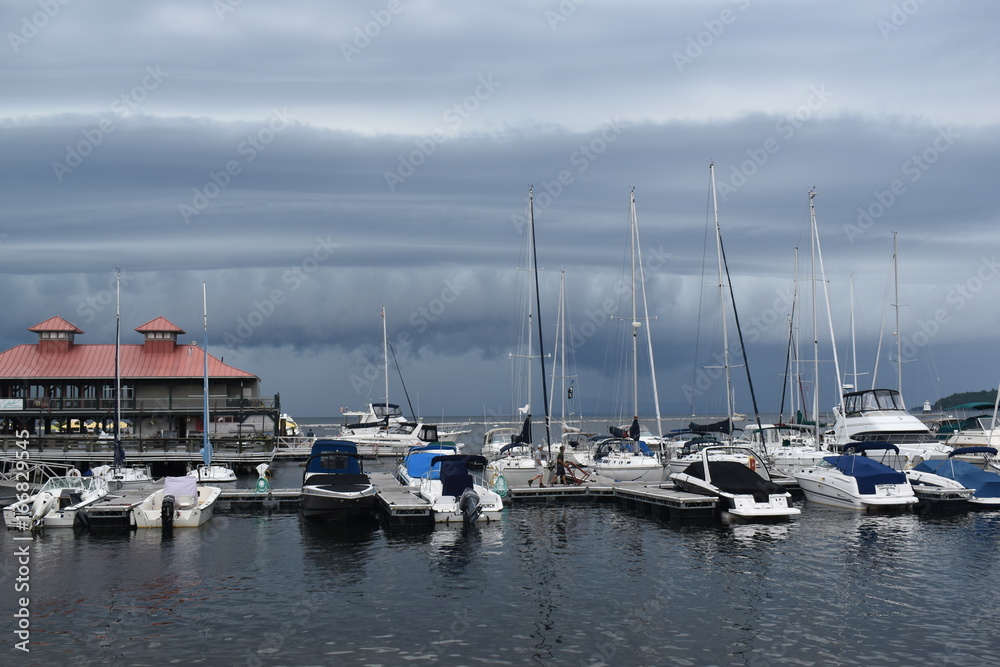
(73, 472)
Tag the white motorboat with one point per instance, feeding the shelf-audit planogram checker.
(181, 503)
(334, 484)
(878, 415)
(789, 447)
(742, 491)
(855, 481)
(690, 452)
(454, 487)
(214, 474)
(417, 462)
(123, 477)
(985, 484)
(57, 503)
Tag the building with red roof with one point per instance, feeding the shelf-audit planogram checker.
(56, 386)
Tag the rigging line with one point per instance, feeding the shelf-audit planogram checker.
(541, 344)
(701, 297)
(400, 373)
(739, 333)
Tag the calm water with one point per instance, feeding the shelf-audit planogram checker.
(572, 584)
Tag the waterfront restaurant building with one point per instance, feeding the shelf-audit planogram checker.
(59, 389)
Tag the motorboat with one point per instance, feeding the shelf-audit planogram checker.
(454, 487)
(744, 491)
(417, 462)
(879, 415)
(985, 484)
(934, 492)
(625, 460)
(854, 480)
(57, 503)
(334, 484)
(690, 452)
(123, 477)
(214, 474)
(181, 503)
(788, 447)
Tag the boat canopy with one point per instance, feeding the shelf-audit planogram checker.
(874, 445)
(961, 451)
(866, 471)
(971, 406)
(734, 477)
(986, 484)
(872, 399)
(419, 460)
(334, 456)
(180, 486)
(724, 426)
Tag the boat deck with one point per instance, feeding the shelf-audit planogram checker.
(114, 511)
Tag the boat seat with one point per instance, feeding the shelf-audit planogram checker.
(186, 502)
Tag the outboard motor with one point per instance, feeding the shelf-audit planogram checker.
(167, 512)
(469, 504)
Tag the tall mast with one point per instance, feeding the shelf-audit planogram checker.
(119, 458)
(206, 443)
(722, 297)
(818, 252)
(538, 307)
(385, 355)
(646, 318)
(899, 338)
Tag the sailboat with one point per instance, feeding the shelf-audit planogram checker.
(382, 428)
(208, 472)
(879, 415)
(573, 438)
(118, 475)
(625, 457)
(514, 460)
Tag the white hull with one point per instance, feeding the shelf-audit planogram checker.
(214, 475)
(517, 470)
(446, 509)
(56, 504)
(839, 490)
(630, 468)
(148, 513)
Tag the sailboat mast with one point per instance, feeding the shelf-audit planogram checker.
(899, 337)
(206, 443)
(829, 316)
(635, 323)
(538, 307)
(385, 355)
(118, 368)
(722, 295)
(646, 318)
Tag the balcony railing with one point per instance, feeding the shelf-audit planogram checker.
(150, 405)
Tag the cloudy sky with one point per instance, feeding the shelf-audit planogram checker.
(314, 161)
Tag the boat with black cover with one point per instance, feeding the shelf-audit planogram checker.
(335, 486)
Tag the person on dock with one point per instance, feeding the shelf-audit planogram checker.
(560, 472)
(539, 468)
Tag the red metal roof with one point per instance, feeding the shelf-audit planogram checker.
(159, 324)
(55, 324)
(98, 361)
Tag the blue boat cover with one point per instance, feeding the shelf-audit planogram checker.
(866, 471)
(334, 456)
(961, 451)
(985, 484)
(419, 460)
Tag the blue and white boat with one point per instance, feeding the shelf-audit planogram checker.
(854, 481)
(417, 462)
(334, 484)
(985, 484)
(453, 485)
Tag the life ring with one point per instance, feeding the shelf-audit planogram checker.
(73, 472)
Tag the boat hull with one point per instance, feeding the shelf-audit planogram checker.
(825, 489)
(336, 503)
(148, 514)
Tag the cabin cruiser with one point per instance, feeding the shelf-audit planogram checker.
(334, 484)
(743, 491)
(985, 484)
(878, 415)
(853, 480)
